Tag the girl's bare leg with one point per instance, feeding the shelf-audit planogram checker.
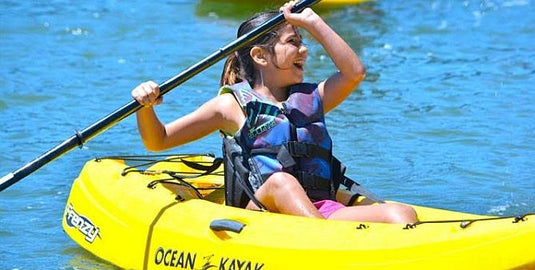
(386, 213)
(282, 193)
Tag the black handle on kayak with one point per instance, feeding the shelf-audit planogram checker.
(113, 118)
(226, 225)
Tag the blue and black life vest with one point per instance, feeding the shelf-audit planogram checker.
(292, 138)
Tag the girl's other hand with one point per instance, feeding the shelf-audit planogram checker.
(303, 19)
(147, 94)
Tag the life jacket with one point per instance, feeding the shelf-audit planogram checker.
(290, 139)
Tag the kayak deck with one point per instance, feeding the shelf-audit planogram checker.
(136, 220)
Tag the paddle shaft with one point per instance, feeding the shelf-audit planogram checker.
(113, 118)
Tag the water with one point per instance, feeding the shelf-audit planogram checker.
(445, 117)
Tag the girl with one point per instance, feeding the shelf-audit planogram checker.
(264, 102)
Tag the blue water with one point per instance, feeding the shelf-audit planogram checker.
(445, 117)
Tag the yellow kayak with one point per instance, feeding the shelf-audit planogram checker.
(170, 214)
(280, 2)
(322, 2)
(241, 10)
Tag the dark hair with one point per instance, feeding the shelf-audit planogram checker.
(239, 65)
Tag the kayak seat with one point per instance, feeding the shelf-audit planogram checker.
(188, 176)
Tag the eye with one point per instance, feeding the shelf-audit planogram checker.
(296, 41)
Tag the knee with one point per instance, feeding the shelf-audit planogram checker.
(401, 213)
(281, 181)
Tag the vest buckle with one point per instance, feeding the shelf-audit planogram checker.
(298, 149)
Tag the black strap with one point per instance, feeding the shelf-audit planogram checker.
(353, 199)
(308, 180)
(207, 169)
(338, 170)
(293, 149)
(358, 189)
(246, 188)
(241, 173)
(311, 181)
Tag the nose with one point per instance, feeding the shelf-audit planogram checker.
(303, 50)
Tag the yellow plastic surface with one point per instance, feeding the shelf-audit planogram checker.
(120, 220)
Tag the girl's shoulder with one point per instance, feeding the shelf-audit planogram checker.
(238, 87)
(242, 92)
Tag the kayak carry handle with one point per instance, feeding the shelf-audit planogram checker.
(226, 225)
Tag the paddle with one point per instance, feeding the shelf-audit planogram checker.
(113, 118)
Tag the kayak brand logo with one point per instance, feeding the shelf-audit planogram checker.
(175, 258)
(188, 260)
(232, 263)
(83, 224)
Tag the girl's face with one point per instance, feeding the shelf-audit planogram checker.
(289, 57)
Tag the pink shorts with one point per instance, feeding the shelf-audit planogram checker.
(327, 207)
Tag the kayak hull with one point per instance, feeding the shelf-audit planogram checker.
(119, 219)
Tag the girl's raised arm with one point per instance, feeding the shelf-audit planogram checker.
(350, 69)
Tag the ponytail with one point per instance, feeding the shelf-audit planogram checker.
(231, 71)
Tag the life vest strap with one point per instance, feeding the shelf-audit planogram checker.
(308, 180)
(312, 181)
(238, 189)
(359, 190)
(286, 152)
(339, 177)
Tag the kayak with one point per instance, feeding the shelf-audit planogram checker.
(241, 10)
(345, 2)
(322, 2)
(155, 212)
